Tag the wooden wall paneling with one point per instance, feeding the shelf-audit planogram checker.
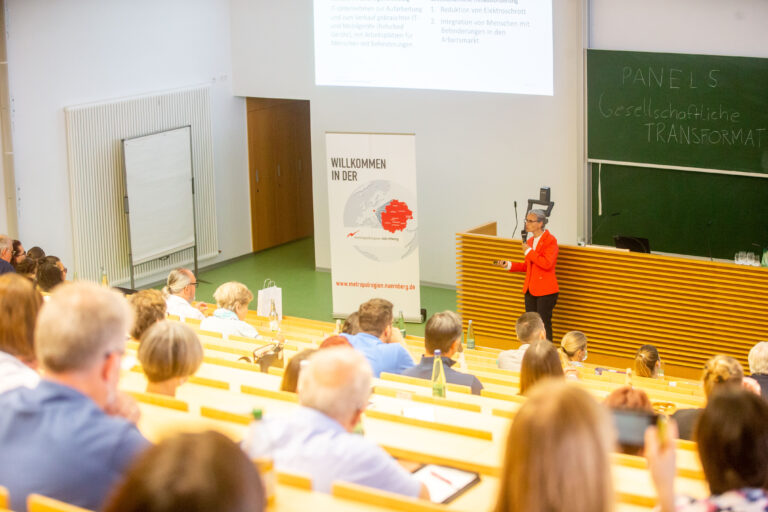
(285, 170)
(306, 223)
(279, 148)
(690, 309)
(265, 222)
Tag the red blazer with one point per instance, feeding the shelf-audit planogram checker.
(539, 266)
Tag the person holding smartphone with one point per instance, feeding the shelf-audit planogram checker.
(540, 257)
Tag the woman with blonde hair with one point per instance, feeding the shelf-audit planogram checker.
(148, 308)
(170, 353)
(573, 348)
(19, 304)
(720, 372)
(232, 300)
(540, 361)
(647, 362)
(557, 455)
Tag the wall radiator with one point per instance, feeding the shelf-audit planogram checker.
(97, 185)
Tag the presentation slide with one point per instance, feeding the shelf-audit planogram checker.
(501, 46)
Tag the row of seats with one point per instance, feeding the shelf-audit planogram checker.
(476, 448)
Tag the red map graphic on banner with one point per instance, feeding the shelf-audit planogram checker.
(395, 216)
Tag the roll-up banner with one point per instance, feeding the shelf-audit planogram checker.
(373, 221)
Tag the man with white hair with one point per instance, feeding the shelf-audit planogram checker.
(317, 440)
(179, 292)
(758, 366)
(6, 253)
(70, 438)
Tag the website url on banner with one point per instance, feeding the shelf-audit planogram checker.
(376, 286)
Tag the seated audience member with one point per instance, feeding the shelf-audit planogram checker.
(19, 305)
(351, 324)
(48, 277)
(232, 300)
(317, 439)
(55, 260)
(719, 372)
(380, 343)
(529, 328)
(647, 362)
(732, 441)
(36, 253)
(6, 253)
(540, 361)
(198, 472)
(28, 268)
(335, 341)
(19, 254)
(573, 349)
(558, 454)
(758, 366)
(292, 370)
(170, 353)
(628, 398)
(148, 309)
(60, 436)
(179, 292)
(443, 332)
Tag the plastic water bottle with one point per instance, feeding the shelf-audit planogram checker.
(438, 376)
(628, 378)
(401, 324)
(461, 359)
(104, 278)
(470, 336)
(274, 320)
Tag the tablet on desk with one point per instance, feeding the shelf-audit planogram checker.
(445, 484)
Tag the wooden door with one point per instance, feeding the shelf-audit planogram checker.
(279, 153)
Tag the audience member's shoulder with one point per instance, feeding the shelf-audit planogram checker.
(686, 422)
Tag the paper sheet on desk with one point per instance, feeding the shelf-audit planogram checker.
(419, 412)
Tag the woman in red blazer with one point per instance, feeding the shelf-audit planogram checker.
(540, 285)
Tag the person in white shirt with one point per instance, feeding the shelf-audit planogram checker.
(19, 305)
(529, 328)
(318, 439)
(179, 292)
(232, 300)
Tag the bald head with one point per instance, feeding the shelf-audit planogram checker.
(337, 382)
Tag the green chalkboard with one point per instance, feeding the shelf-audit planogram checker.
(699, 111)
(681, 212)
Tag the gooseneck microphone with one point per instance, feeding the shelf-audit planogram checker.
(516, 219)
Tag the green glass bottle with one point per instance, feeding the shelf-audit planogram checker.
(470, 336)
(438, 376)
(401, 324)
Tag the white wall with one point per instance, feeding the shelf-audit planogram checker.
(712, 27)
(80, 51)
(476, 153)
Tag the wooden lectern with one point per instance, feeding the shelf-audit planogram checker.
(689, 309)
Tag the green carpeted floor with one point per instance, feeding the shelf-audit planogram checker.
(306, 292)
